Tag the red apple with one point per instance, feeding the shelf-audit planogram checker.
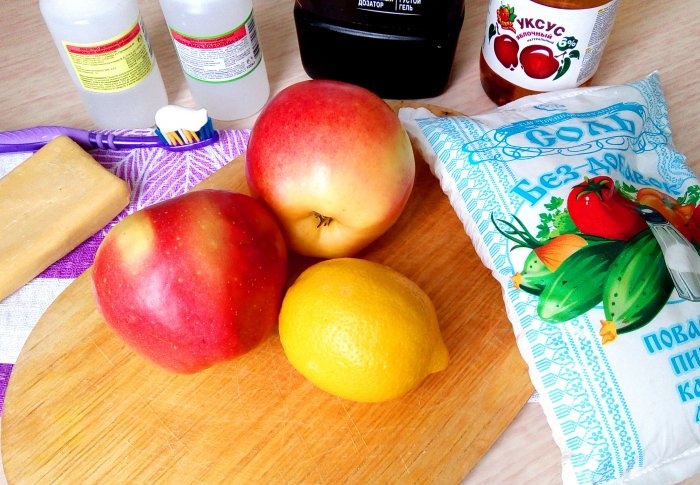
(333, 162)
(506, 49)
(538, 61)
(192, 281)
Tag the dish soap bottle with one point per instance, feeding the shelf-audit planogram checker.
(399, 49)
(533, 46)
(106, 51)
(219, 51)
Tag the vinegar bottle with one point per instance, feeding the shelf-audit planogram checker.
(219, 51)
(533, 46)
(104, 46)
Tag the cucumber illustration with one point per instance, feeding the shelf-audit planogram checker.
(535, 275)
(638, 285)
(577, 285)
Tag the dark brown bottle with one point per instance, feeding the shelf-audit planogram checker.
(533, 46)
(399, 49)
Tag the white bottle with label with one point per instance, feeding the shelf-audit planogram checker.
(104, 46)
(219, 51)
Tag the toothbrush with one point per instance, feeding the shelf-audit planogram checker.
(177, 129)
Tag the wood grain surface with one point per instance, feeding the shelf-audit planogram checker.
(82, 408)
(647, 36)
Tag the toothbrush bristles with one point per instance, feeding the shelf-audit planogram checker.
(182, 138)
(173, 138)
(189, 136)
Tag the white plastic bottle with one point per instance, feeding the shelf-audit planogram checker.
(219, 51)
(104, 46)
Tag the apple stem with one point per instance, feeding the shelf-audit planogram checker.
(322, 220)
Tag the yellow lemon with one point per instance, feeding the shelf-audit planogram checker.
(360, 330)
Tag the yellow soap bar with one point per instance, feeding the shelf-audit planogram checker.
(49, 204)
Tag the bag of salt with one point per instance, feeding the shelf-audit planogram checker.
(586, 214)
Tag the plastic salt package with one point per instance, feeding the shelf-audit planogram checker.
(585, 213)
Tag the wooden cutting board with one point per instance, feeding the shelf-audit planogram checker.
(82, 408)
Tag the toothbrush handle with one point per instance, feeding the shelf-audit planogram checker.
(31, 139)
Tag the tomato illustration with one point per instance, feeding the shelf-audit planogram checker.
(598, 209)
(694, 225)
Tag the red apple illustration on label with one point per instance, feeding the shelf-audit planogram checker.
(506, 49)
(538, 61)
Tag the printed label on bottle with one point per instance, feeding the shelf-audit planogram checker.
(115, 64)
(221, 58)
(543, 48)
(404, 7)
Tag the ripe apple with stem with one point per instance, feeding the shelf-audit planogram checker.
(333, 162)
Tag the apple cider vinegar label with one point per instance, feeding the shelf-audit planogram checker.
(221, 58)
(115, 64)
(544, 48)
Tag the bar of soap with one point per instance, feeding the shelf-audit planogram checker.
(49, 204)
